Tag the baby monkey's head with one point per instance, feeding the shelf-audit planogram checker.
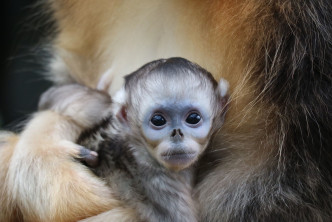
(172, 107)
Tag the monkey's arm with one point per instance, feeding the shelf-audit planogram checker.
(41, 179)
(85, 106)
(89, 109)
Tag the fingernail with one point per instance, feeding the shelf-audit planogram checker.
(93, 153)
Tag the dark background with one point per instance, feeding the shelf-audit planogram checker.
(26, 29)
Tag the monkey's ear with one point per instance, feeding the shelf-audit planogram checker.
(122, 115)
(119, 100)
(120, 96)
(223, 87)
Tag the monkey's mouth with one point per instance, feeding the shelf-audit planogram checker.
(179, 158)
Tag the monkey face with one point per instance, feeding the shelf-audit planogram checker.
(172, 107)
(177, 132)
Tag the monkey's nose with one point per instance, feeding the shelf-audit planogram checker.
(176, 134)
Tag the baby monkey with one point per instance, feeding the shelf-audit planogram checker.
(155, 129)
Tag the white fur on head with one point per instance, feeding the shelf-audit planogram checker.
(223, 87)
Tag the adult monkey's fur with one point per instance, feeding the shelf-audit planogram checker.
(272, 160)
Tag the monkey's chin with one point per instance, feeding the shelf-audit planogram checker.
(178, 160)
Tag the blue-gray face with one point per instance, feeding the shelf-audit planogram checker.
(177, 132)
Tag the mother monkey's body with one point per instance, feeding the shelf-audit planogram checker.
(272, 160)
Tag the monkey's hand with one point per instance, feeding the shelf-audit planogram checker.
(44, 182)
(83, 105)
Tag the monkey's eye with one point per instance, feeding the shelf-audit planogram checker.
(158, 120)
(193, 118)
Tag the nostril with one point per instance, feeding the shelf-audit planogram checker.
(180, 133)
(173, 133)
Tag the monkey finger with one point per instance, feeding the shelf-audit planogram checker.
(81, 153)
(88, 156)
